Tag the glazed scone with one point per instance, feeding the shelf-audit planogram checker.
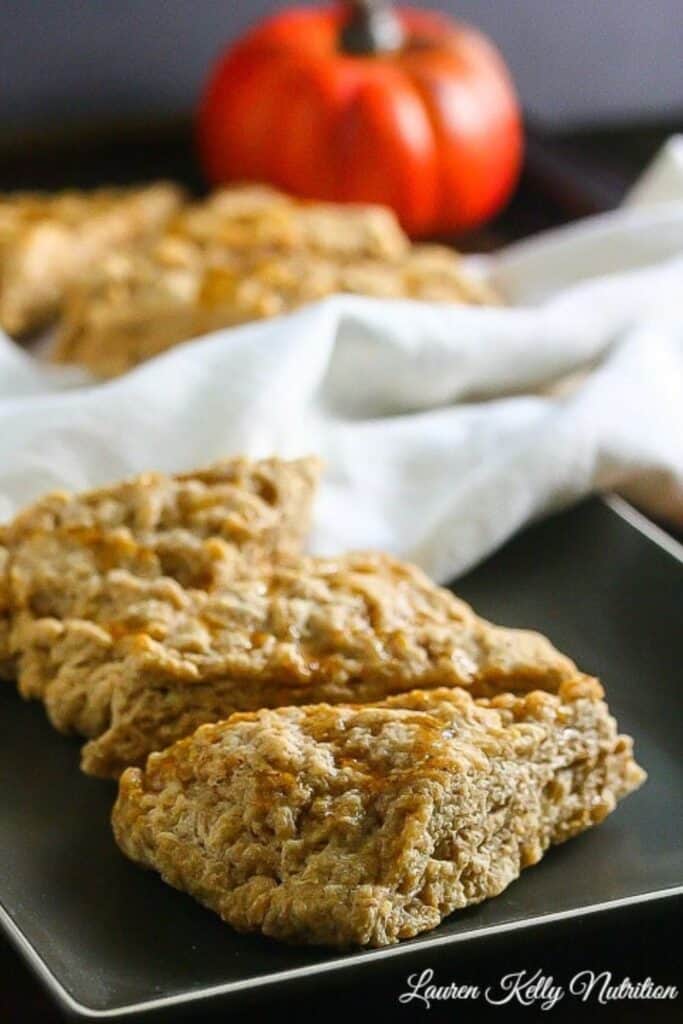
(198, 528)
(141, 304)
(362, 826)
(158, 660)
(260, 217)
(49, 242)
(203, 275)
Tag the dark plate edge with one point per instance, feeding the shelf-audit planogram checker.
(73, 1006)
(637, 521)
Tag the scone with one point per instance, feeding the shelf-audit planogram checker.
(198, 528)
(49, 242)
(242, 256)
(362, 826)
(155, 660)
(243, 217)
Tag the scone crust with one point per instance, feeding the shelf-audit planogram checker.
(355, 628)
(366, 825)
(246, 254)
(48, 243)
(61, 557)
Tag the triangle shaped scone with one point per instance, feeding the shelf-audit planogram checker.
(368, 824)
(50, 243)
(58, 556)
(162, 660)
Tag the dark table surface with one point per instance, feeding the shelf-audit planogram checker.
(565, 177)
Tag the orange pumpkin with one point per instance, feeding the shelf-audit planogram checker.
(362, 102)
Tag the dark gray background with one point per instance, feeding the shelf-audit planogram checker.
(575, 61)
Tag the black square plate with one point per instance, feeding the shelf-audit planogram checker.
(109, 939)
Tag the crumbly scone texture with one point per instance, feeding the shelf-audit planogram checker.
(248, 255)
(49, 242)
(347, 825)
(60, 558)
(260, 217)
(157, 660)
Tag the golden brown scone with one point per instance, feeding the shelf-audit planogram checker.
(49, 242)
(242, 217)
(353, 825)
(242, 256)
(197, 528)
(154, 660)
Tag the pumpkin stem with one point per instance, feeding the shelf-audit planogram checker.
(372, 27)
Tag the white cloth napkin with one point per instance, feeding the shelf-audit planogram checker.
(440, 432)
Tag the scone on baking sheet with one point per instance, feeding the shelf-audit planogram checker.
(156, 660)
(141, 304)
(351, 825)
(198, 528)
(48, 242)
